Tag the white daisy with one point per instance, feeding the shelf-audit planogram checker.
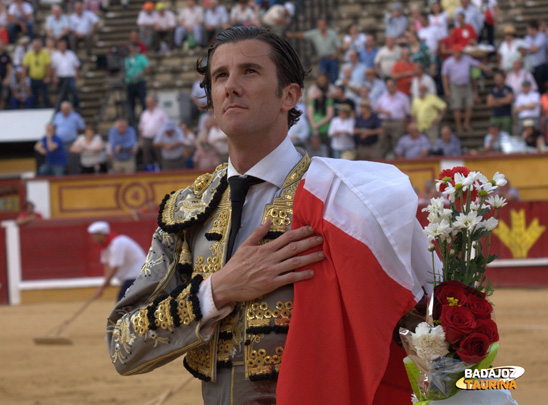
(496, 201)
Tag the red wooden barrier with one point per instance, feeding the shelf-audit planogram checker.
(4, 296)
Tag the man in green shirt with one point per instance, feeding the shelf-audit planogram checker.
(136, 67)
(327, 46)
(37, 65)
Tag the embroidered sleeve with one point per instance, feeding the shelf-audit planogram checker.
(159, 318)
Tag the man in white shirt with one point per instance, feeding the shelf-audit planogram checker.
(421, 79)
(57, 24)
(121, 256)
(65, 65)
(150, 123)
(145, 21)
(278, 17)
(518, 75)
(20, 19)
(82, 27)
(164, 27)
(527, 106)
(387, 56)
(190, 21)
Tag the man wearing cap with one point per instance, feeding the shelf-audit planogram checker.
(457, 85)
(121, 256)
(395, 22)
(172, 142)
(527, 106)
(500, 99)
(508, 49)
(164, 27)
(145, 21)
(278, 17)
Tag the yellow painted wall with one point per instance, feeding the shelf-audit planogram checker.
(112, 195)
(9, 166)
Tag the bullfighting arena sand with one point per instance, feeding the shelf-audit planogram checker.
(82, 373)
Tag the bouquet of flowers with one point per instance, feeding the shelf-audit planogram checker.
(458, 332)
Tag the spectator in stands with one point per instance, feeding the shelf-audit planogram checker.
(523, 49)
(427, 111)
(403, 72)
(447, 144)
(171, 142)
(363, 96)
(393, 108)
(419, 51)
(122, 147)
(446, 44)
(395, 22)
(57, 24)
(518, 75)
(508, 48)
(145, 21)
(413, 145)
(300, 131)
(134, 39)
(387, 56)
(326, 45)
(428, 192)
(489, 9)
(68, 124)
(215, 20)
(494, 139)
(95, 5)
(190, 25)
(450, 6)
(151, 122)
(50, 46)
(136, 67)
(52, 147)
(421, 78)
(21, 19)
(278, 17)
(367, 130)
(536, 40)
(457, 85)
(415, 18)
(377, 87)
(4, 23)
(82, 27)
(357, 68)
(464, 33)
(205, 157)
(5, 74)
(340, 99)
(508, 192)
(217, 138)
(319, 112)
(472, 15)
(65, 65)
(91, 148)
(21, 49)
(352, 88)
(164, 28)
(28, 214)
(369, 52)
(341, 132)
(532, 137)
(439, 19)
(243, 14)
(527, 106)
(353, 41)
(500, 99)
(430, 35)
(198, 98)
(316, 147)
(21, 95)
(322, 84)
(37, 65)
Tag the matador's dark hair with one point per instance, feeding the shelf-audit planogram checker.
(289, 68)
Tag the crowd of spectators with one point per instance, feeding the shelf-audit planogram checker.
(370, 99)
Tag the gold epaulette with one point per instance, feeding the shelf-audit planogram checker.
(193, 204)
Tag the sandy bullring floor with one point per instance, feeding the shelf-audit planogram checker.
(82, 373)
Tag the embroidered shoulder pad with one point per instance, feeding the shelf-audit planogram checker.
(193, 204)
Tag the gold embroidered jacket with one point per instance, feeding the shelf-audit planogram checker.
(159, 319)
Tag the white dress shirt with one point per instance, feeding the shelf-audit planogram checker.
(273, 169)
(151, 122)
(65, 64)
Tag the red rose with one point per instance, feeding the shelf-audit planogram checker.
(473, 348)
(458, 292)
(480, 307)
(488, 328)
(456, 322)
(469, 290)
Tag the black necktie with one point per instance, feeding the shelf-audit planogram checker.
(239, 187)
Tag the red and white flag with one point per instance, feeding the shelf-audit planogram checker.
(339, 348)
